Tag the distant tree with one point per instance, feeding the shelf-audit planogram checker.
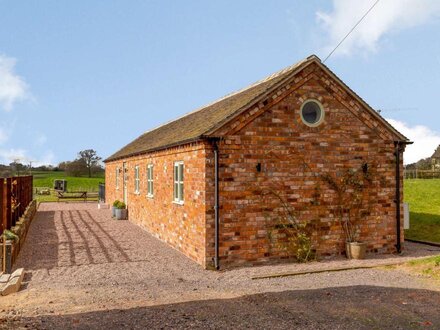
(17, 167)
(63, 165)
(90, 158)
(76, 168)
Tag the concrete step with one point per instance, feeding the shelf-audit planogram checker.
(13, 283)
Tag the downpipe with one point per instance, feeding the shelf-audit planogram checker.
(216, 208)
(399, 148)
(397, 145)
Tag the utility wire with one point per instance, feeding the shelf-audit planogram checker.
(354, 27)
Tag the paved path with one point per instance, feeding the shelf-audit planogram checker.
(84, 269)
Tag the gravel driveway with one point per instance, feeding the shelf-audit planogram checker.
(85, 270)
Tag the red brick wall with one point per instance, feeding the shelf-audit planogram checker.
(273, 135)
(181, 226)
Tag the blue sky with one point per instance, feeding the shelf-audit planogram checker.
(96, 74)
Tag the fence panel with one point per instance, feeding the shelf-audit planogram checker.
(15, 196)
(2, 202)
(421, 174)
(8, 200)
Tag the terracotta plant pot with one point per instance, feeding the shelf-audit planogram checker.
(355, 250)
(121, 214)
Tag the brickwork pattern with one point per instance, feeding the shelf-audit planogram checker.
(271, 137)
(290, 155)
(181, 226)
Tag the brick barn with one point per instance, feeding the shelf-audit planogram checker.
(198, 183)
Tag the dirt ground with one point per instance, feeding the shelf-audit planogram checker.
(87, 271)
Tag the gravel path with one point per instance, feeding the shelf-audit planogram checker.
(85, 270)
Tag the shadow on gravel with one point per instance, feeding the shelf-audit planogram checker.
(354, 307)
(42, 240)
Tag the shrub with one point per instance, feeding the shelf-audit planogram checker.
(119, 205)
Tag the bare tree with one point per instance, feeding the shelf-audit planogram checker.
(90, 158)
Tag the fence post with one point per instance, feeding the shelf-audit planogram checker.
(8, 202)
(30, 190)
(2, 205)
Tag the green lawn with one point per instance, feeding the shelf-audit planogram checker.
(429, 267)
(423, 196)
(45, 179)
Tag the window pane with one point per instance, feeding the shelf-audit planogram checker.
(176, 177)
(176, 191)
(311, 112)
(152, 187)
(181, 172)
(181, 192)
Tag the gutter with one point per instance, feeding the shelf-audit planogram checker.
(399, 147)
(147, 151)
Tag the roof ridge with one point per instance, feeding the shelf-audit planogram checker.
(258, 82)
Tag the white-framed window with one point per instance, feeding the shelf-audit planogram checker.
(136, 179)
(312, 113)
(117, 177)
(150, 184)
(178, 182)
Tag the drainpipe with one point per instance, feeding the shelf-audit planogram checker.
(399, 147)
(216, 208)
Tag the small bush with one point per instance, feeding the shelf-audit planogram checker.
(119, 205)
(9, 235)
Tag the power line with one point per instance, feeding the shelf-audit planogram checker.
(354, 27)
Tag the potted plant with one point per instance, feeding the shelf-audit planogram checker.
(121, 211)
(354, 249)
(352, 188)
(114, 207)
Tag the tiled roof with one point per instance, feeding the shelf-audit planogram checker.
(194, 125)
(436, 153)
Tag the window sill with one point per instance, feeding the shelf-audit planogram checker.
(178, 203)
(137, 193)
(150, 196)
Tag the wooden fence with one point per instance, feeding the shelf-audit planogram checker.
(15, 196)
(421, 174)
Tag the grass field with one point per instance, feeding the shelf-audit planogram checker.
(45, 179)
(423, 196)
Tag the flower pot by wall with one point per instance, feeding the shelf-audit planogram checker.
(113, 211)
(355, 250)
(121, 214)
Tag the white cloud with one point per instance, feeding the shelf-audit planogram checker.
(387, 16)
(425, 140)
(8, 156)
(13, 88)
(48, 158)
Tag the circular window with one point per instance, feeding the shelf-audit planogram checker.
(312, 113)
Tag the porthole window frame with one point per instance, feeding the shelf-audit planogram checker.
(321, 107)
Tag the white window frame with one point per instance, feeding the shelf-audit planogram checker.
(137, 180)
(321, 114)
(178, 182)
(117, 177)
(150, 180)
